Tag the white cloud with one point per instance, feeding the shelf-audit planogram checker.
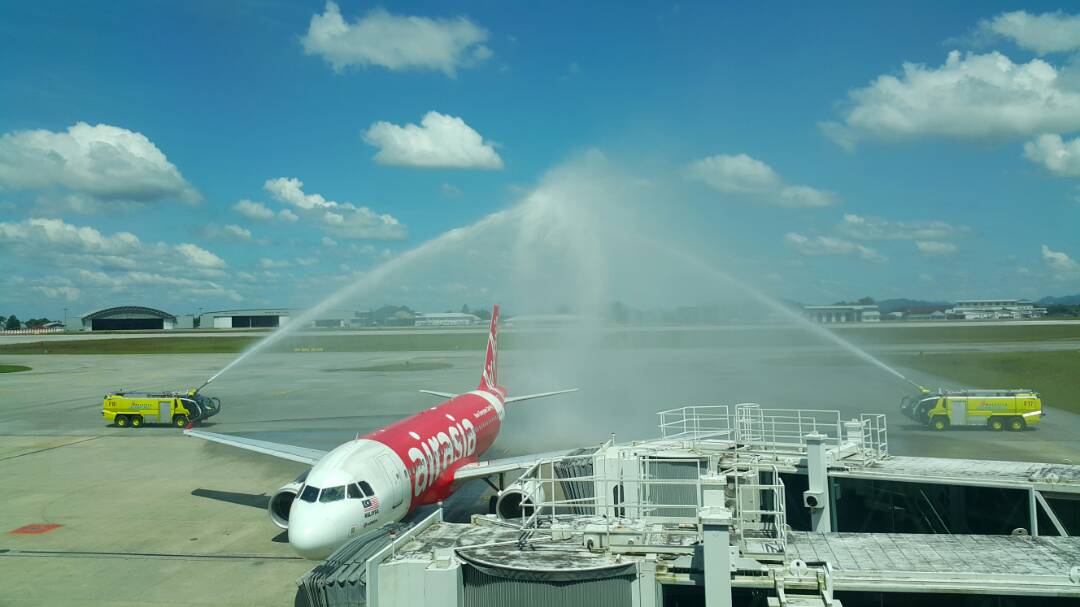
(861, 227)
(971, 97)
(240, 233)
(306, 261)
(112, 265)
(395, 42)
(742, 175)
(200, 256)
(933, 247)
(1061, 158)
(1046, 33)
(64, 203)
(449, 191)
(1063, 266)
(439, 141)
(266, 263)
(105, 162)
(328, 242)
(341, 219)
(56, 235)
(261, 212)
(826, 245)
(227, 233)
(253, 210)
(68, 294)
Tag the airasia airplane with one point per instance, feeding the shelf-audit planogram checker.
(380, 477)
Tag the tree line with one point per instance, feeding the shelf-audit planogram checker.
(12, 323)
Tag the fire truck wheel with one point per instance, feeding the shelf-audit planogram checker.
(1017, 424)
(940, 423)
(121, 421)
(180, 421)
(996, 424)
(136, 421)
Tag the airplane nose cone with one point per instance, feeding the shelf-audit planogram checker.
(313, 537)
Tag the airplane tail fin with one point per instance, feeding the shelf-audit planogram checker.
(489, 379)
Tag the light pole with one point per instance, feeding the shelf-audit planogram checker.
(65, 319)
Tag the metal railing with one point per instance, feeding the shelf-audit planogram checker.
(761, 429)
(771, 429)
(696, 423)
(875, 435)
(655, 490)
(760, 508)
(645, 493)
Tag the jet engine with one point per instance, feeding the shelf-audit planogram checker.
(282, 501)
(519, 499)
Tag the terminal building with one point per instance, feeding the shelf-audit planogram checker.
(995, 309)
(446, 319)
(843, 313)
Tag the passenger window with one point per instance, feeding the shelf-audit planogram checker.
(366, 488)
(332, 494)
(354, 492)
(309, 494)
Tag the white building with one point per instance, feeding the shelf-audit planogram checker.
(447, 319)
(995, 309)
(843, 313)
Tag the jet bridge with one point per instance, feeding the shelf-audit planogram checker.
(737, 506)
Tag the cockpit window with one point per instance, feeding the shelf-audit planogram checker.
(366, 488)
(332, 494)
(310, 493)
(354, 492)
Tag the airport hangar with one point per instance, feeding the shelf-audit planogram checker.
(246, 319)
(127, 318)
(142, 318)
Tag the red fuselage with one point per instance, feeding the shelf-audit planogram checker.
(435, 442)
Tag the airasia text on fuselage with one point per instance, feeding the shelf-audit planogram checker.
(437, 453)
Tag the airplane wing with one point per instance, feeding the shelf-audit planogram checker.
(289, 452)
(442, 394)
(517, 399)
(510, 464)
(508, 400)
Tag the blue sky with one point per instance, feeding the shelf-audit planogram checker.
(791, 142)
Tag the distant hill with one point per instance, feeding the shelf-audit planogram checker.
(896, 305)
(1064, 300)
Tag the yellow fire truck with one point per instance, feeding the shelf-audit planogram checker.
(996, 410)
(177, 408)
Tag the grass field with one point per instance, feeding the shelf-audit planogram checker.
(13, 368)
(1054, 375)
(693, 337)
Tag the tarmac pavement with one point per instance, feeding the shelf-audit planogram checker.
(148, 516)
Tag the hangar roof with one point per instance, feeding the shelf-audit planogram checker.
(128, 312)
(251, 312)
